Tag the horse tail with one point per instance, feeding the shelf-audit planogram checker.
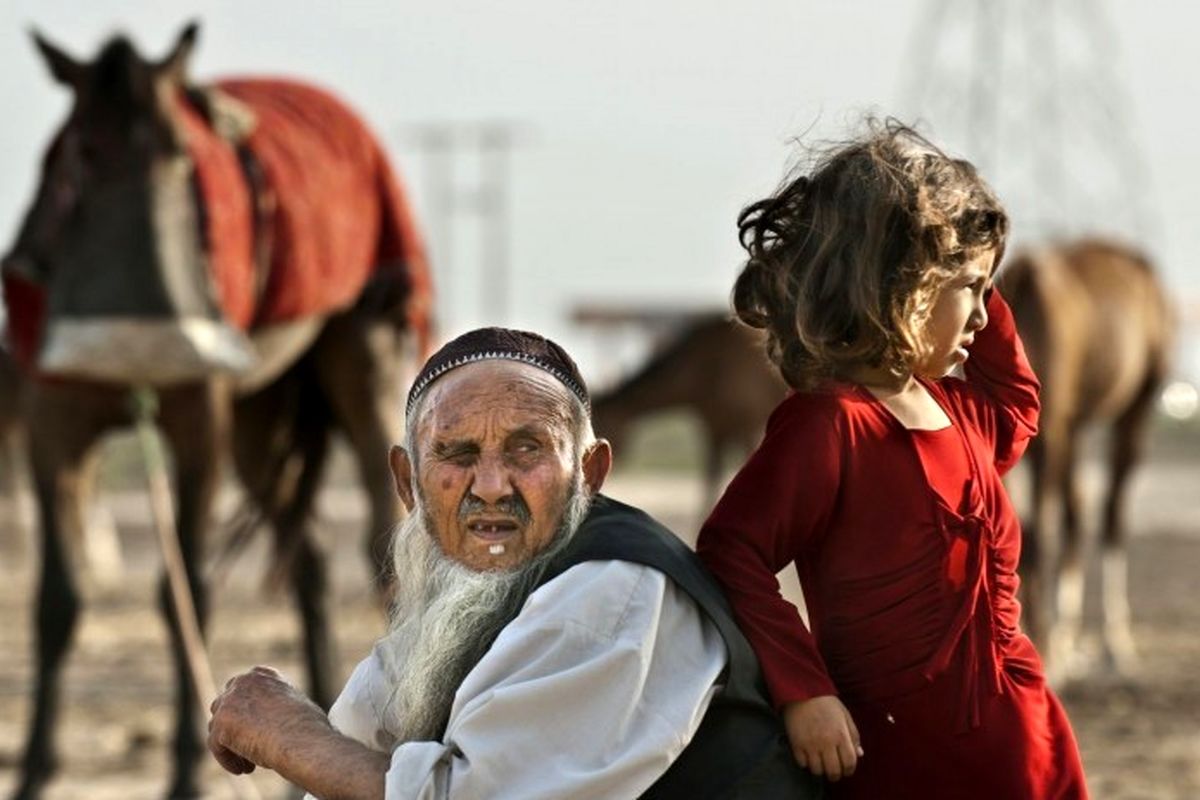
(283, 484)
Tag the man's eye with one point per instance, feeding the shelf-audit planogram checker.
(458, 457)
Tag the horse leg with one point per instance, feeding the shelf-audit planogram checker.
(359, 367)
(16, 495)
(308, 570)
(1041, 550)
(1071, 565)
(1030, 566)
(101, 545)
(62, 433)
(1128, 441)
(310, 586)
(194, 422)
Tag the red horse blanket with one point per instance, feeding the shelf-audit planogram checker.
(338, 219)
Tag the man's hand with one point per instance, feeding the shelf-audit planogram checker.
(261, 719)
(255, 716)
(823, 736)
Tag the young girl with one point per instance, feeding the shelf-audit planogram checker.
(879, 478)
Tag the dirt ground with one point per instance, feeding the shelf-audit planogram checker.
(1140, 738)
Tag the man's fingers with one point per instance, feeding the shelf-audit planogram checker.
(229, 760)
(269, 672)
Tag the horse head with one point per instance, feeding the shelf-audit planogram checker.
(113, 245)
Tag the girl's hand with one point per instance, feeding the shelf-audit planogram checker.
(823, 736)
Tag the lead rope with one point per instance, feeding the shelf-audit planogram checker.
(144, 405)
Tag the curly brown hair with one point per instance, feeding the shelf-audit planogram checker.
(845, 262)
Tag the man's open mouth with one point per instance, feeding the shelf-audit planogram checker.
(492, 528)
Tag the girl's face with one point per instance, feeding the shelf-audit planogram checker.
(958, 314)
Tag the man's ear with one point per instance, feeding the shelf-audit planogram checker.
(597, 462)
(402, 474)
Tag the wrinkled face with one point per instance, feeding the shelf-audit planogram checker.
(958, 314)
(496, 462)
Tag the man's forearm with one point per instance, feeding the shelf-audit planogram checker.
(262, 719)
(334, 767)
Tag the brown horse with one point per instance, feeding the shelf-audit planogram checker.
(716, 369)
(1097, 327)
(181, 234)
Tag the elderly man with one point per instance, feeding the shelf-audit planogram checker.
(545, 641)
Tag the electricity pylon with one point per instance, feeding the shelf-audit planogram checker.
(1031, 91)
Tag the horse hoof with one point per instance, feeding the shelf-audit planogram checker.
(1122, 662)
(29, 790)
(185, 791)
(35, 778)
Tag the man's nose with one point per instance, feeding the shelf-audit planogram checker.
(491, 483)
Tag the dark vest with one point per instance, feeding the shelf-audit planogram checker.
(740, 749)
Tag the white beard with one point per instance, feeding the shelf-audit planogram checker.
(446, 615)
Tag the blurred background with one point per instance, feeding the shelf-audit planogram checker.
(577, 169)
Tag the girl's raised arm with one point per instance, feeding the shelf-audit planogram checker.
(1001, 390)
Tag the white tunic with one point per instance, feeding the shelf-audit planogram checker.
(591, 692)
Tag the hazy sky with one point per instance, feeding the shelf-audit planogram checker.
(644, 126)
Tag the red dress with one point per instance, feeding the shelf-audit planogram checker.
(906, 547)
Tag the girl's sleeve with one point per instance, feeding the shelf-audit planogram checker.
(1001, 391)
(774, 509)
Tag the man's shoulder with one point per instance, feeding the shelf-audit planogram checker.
(608, 598)
(615, 530)
(356, 711)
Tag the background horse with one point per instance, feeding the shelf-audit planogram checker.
(180, 234)
(1097, 327)
(717, 370)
